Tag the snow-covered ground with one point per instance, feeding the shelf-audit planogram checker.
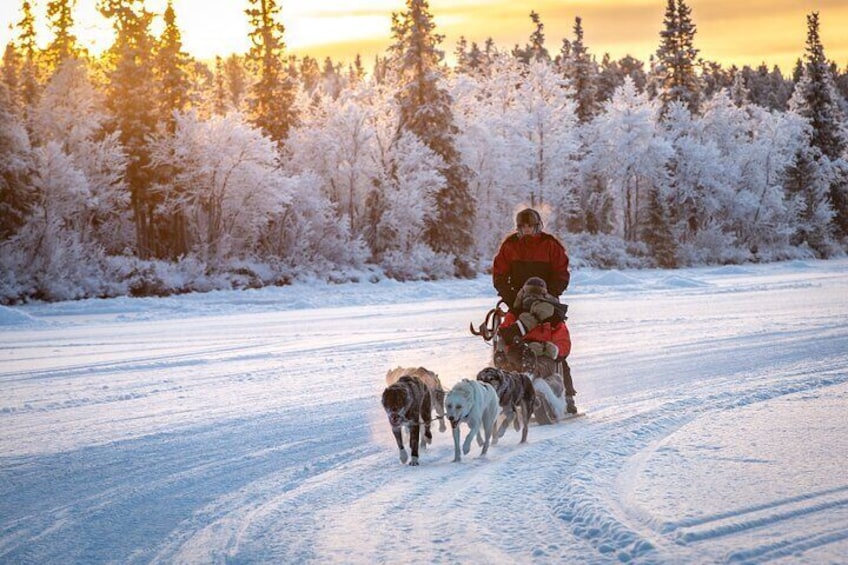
(246, 427)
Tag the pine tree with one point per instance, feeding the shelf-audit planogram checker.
(535, 50)
(739, 92)
(272, 102)
(806, 190)
(235, 82)
(815, 98)
(656, 232)
(219, 104)
(130, 98)
(677, 57)
(425, 111)
(171, 71)
(356, 72)
(581, 70)
(29, 87)
(64, 44)
(12, 80)
(310, 74)
(16, 195)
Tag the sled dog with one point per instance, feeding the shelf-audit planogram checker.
(516, 397)
(476, 404)
(407, 405)
(550, 398)
(434, 385)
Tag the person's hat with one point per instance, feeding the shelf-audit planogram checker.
(528, 217)
(537, 282)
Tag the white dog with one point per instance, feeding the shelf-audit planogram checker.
(476, 404)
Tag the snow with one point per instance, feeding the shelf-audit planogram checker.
(246, 426)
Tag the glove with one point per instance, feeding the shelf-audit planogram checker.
(511, 334)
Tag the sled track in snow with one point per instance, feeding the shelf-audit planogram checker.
(358, 522)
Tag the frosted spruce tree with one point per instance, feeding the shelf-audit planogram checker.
(172, 85)
(272, 95)
(581, 71)
(535, 50)
(129, 92)
(172, 75)
(816, 99)
(28, 85)
(677, 58)
(425, 109)
(64, 45)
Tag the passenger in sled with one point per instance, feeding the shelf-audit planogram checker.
(530, 272)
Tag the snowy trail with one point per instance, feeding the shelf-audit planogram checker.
(715, 431)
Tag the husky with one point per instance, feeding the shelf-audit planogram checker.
(434, 385)
(516, 397)
(407, 405)
(476, 404)
(550, 398)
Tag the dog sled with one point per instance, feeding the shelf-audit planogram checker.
(550, 405)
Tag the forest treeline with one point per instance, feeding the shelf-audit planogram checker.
(145, 171)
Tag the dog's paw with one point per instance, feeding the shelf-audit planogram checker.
(403, 456)
(466, 447)
(414, 462)
(457, 459)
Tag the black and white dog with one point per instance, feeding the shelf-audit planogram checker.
(407, 405)
(516, 397)
(434, 385)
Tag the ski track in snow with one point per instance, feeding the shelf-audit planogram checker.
(259, 438)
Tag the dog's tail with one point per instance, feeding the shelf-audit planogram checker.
(556, 404)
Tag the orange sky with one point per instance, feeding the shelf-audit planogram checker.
(729, 31)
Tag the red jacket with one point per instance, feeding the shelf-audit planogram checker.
(521, 257)
(558, 333)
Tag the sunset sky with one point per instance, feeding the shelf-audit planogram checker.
(728, 31)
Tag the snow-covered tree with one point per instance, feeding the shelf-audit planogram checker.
(226, 184)
(485, 107)
(535, 50)
(408, 200)
(71, 115)
(339, 141)
(807, 183)
(425, 110)
(272, 95)
(15, 168)
(580, 70)
(128, 98)
(762, 217)
(64, 45)
(677, 58)
(307, 237)
(29, 71)
(171, 70)
(699, 182)
(815, 98)
(545, 140)
(628, 152)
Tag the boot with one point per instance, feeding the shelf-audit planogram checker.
(570, 407)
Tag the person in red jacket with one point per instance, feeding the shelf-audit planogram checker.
(529, 252)
(525, 254)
